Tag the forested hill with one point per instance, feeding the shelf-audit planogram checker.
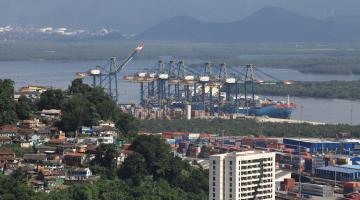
(316, 89)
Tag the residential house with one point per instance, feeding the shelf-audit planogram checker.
(107, 123)
(51, 178)
(41, 136)
(32, 92)
(37, 185)
(8, 131)
(31, 124)
(50, 115)
(34, 158)
(5, 140)
(53, 165)
(6, 156)
(62, 149)
(74, 159)
(106, 134)
(45, 148)
(79, 174)
(24, 136)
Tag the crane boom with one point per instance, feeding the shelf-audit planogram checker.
(138, 49)
(108, 77)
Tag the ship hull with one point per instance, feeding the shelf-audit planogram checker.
(269, 110)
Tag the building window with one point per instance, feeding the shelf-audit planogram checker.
(214, 162)
(230, 162)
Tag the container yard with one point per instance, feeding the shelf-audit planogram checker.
(325, 172)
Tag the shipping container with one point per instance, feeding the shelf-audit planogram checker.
(351, 187)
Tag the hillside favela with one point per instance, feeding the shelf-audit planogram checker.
(179, 100)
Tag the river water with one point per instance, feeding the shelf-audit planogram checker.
(59, 74)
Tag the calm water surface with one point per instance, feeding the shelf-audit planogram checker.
(60, 73)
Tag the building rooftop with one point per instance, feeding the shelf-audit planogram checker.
(339, 169)
(244, 153)
(8, 128)
(5, 139)
(355, 167)
(73, 154)
(25, 131)
(351, 140)
(312, 140)
(39, 156)
(6, 152)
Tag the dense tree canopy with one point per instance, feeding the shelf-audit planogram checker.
(76, 113)
(152, 158)
(86, 106)
(7, 103)
(51, 99)
(24, 108)
(11, 111)
(15, 188)
(247, 127)
(318, 89)
(82, 105)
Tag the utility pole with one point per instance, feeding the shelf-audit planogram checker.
(300, 189)
(351, 116)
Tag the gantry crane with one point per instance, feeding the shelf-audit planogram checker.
(107, 76)
(253, 77)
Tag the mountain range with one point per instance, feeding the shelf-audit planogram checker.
(269, 24)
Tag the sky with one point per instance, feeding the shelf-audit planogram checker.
(131, 16)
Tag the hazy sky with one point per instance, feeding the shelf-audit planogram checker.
(137, 15)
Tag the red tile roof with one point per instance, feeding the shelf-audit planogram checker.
(8, 128)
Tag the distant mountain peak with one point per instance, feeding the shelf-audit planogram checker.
(269, 24)
(271, 13)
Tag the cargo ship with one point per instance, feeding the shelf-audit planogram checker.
(263, 107)
(276, 110)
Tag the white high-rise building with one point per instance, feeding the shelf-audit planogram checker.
(242, 175)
